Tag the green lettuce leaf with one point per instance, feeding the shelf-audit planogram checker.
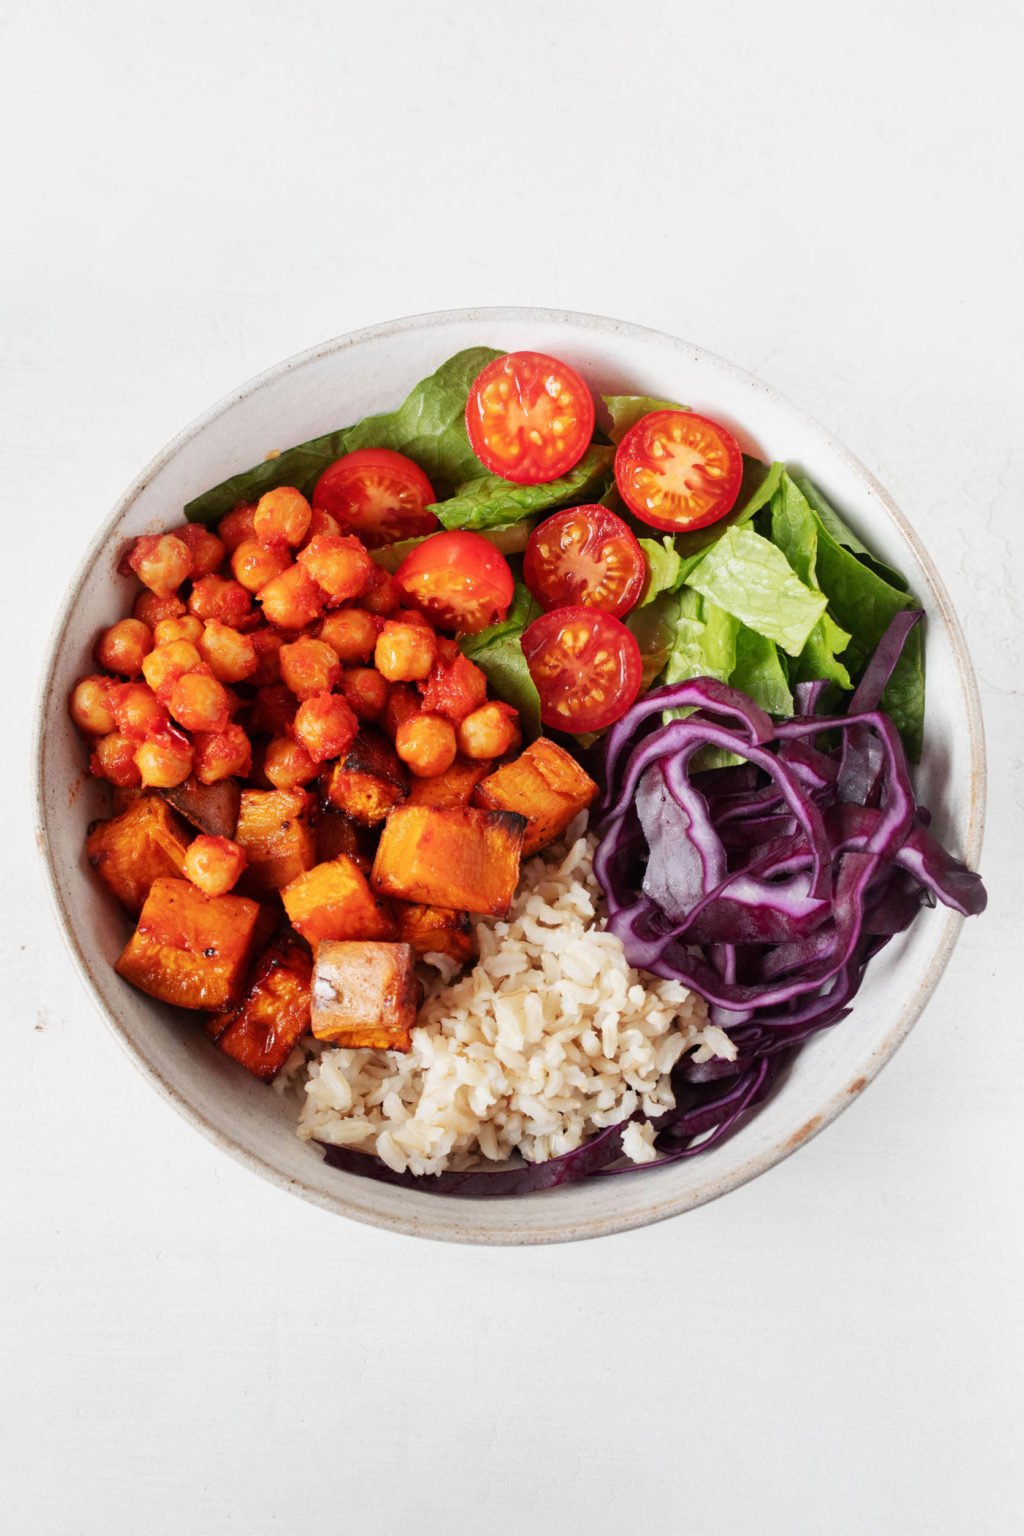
(429, 427)
(752, 579)
(626, 410)
(760, 673)
(498, 652)
(653, 627)
(663, 566)
(760, 482)
(844, 535)
(490, 502)
(795, 531)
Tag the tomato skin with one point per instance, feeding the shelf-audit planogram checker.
(678, 471)
(378, 494)
(457, 581)
(586, 667)
(530, 417)
(585, 557)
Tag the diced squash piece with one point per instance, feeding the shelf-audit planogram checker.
(453, 787)
(190, 949)
(276, 827)
(365, 996)
(458, 857)
(212, 808)
(436, 931)
(544, 784)
(368, 781)
(337, 833)
(274, 1013)
(334, 901)
(136, 848)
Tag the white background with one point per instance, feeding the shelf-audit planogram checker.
(830, 196)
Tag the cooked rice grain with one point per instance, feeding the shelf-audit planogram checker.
(548, 1039)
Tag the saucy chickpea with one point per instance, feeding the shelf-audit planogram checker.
(489, 731)
(287, 764)
(325, 726)
(404, 652)
(216, 597)
(90, 707)
(267, 644)
(366, 691)
(282, 517)
(206, 549)
(113, 758)
(351, 633)
(426, 744)
(231, 657)
(137, 710)
(254, 563)
(164, 761)
(339, 564)
(237, 525)
(309, 667)
(292, 600)
(214, 864)
(199, 702)
(162, 667)
(221, 754)
(187, 627)
(161, 561)
(151, 609)
(124, 646)
(381, 594)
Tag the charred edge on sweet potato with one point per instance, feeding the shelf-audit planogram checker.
(277, 829)
(365, 995)
(368, 781)
(544, 784)
(274, 1014)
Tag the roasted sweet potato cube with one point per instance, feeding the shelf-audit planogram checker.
(334, 901)
(436, 931)
(190, 949)
(276, 827)
(453, 787)
(337, 833)
(365, 995)
(545, 785)
(368, 781)
(212, 808)
(462, 858)
(134, 849)
(274, 1013)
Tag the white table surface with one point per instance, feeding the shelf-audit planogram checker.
(828, 195)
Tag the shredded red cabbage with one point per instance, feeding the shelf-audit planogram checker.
(766, 887)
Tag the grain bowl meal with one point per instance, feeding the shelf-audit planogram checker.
(513, 781)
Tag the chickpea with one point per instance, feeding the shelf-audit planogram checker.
(123, 647)
(321, 522)
(351, 633)
(267, 644)
(488, 732)
(292, 600)
(325, 726)
(217, 597)
(380, 595)
(199, 702)
(456, 685)
(151, 609)
(164, 761)
(221, 754)
(309, 667)
(287, 764)
(161, 561)
(338, 564)
(403, 704)
(167, 663)
(366, 692)
(405, 652)
(426, 744)
(282, 517)
(271, 710)
(237, 525)
(137, 710)
(214, 864)
(206, 549)
(90, 707)
(113, 758)
(187, 627)
(231, 657)
(254, 563)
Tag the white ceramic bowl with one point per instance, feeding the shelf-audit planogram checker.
(337, 383)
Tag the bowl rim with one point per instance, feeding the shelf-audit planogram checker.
(597, 1225)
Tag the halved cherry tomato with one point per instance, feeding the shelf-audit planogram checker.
(378, 494)
(678, 470)
(585, 556)
(456, 580)
(529, 417)
(586, 667)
